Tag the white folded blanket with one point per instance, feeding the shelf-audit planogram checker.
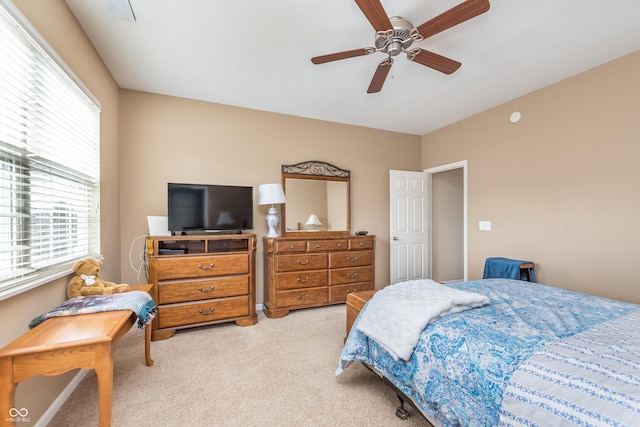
(397, 314)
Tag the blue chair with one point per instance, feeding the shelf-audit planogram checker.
(497, 267)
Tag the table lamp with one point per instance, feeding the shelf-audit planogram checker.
(313, 221)
(271, 194)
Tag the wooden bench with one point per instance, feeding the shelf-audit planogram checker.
(60, 344)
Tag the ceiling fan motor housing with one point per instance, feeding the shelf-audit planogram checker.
(396, 40)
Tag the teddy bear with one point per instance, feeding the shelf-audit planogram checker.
(87, 280)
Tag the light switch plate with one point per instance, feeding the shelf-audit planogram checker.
(485, 226)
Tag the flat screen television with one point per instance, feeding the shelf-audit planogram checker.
(203, 208)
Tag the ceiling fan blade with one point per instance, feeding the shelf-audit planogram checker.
(342, 55)
(375, 13)
(433, 60)
(380, 75)
(454, 16)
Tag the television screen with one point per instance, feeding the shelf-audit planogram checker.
(201, 207)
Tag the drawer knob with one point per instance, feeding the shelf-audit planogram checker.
(206, 313)
(301, 280)
(303, 297)
(201, 267)
(206, 291)
(352, 259)
(352, 276)
(361, 243)
(291, 247)
(339, 245)
(302, 262)
(354, 290)
(317, 245)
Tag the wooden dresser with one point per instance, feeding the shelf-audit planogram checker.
(201, 280)
(305, 272)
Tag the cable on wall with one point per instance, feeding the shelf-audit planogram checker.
(142, 258)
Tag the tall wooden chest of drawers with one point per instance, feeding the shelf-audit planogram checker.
(312, 272)
(202, 280)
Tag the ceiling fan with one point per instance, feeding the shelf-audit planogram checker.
(395, 35)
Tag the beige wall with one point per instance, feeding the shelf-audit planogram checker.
(166, 139)
(58, 26)
(561, 185)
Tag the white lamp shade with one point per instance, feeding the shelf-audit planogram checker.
(270, 194)
(313, 220)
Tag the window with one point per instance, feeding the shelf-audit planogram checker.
(49, 162)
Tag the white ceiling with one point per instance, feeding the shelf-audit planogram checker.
(256, 54)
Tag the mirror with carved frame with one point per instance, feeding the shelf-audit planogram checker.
(320, 189)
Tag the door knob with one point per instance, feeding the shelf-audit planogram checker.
(395, 238)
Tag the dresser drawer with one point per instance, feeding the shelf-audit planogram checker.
(169, 293)
(302, 279)
(290, 246)
(205, 266)
(301, 262)
(350, 275)
(302, 297)
(339, 293)
(328, 245)
(355, 244)
(350, 259)
(207, 311)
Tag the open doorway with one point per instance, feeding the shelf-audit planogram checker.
(448, 222)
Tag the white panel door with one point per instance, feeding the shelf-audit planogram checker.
(408, 226)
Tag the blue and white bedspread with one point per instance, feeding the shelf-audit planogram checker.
(589, 379)
(138, 302)
(463, 361)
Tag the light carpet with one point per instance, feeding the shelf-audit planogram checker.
(279, 372)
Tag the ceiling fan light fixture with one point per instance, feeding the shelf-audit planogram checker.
(396, 40)
(395, 34)
(394, 48)
(401, 27)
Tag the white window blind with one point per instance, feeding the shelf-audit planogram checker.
(49, 162)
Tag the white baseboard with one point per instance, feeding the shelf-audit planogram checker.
(57, 404)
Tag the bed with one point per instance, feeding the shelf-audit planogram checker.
(532, 355)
